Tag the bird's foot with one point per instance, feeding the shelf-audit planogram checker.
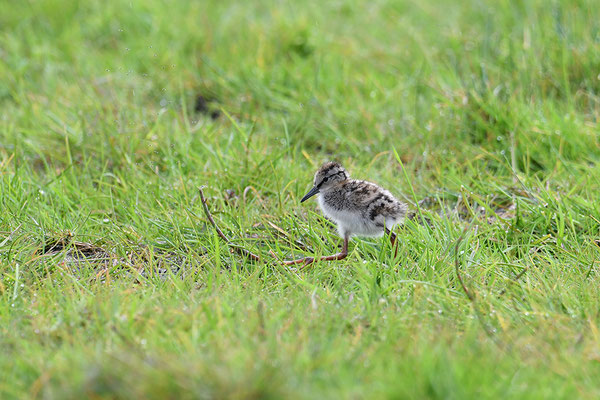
(305, 260)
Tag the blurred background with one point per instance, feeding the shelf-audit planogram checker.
(438, 80)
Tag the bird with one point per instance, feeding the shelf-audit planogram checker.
(359, 208)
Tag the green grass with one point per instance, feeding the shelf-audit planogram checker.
(484, 113)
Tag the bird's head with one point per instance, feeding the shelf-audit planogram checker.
(328, 175)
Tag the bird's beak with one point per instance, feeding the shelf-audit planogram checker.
(310, 194)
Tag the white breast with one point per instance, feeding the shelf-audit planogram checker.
(352, 223)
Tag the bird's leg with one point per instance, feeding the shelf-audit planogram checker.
(341, 255)
(309, 260)
(393, 241)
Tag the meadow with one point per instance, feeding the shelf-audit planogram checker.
(481, 115)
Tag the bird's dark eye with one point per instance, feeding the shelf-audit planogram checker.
(323, 181)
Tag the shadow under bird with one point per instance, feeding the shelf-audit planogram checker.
(359, 208)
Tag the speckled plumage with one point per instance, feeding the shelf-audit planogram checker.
(357, 207)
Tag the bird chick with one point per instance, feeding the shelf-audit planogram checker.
(357, 207)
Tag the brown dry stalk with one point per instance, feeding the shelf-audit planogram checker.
(234, 248)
